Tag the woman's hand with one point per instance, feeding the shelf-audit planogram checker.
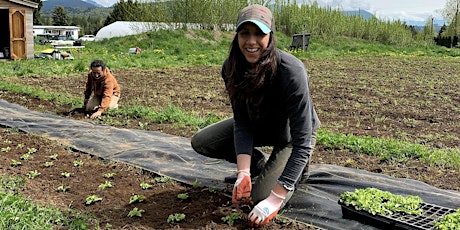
(242, 188)
(266, 210)
(96, 114)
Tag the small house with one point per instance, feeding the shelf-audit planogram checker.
(57, 32)
(16, 23)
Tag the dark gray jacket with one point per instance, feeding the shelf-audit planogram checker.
(286, 117)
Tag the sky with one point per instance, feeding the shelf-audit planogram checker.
(404, 10)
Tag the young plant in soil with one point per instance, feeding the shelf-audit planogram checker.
(109, 175)
(63, 188)
(145, 185)
(376, 201)
(174, 218)
(136, 199)
(135, 212)
(105, 185)
(230, 218)
(92, 199)
(66, 174)
(33, 174)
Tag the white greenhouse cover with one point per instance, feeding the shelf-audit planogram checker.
(124, 28)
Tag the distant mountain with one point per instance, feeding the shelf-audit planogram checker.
(51, 4)
(365, 14)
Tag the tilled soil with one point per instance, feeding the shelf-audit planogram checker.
(412, 99)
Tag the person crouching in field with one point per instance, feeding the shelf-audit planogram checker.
(272, 106)
(103, 87)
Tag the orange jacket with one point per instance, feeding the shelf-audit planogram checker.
(104, 88)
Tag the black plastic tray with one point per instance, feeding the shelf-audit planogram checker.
(431, 213)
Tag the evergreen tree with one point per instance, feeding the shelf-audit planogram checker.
(60, 17)
(37, 16)
(124, 11)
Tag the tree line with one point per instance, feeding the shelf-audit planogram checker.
(290, 18)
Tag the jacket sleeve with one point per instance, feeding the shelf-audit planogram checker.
(107, 87)
(301, 122)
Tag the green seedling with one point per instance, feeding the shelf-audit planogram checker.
(382, 202)
(92, 199)
(109, 175)
(63, 188)
(15, 163)
(175, 218)
(230, 219)
(77, 163)
(136, 199)
(182, 196)
(31, 150)
(145, 185)
(53, 157)
(33, 174)
(213, 189)
(26, 156)
(162, 179)
(20, 146)
(105, 185)
(449, 222)
(66, 174)
(135, 212)
(197, 184)
(5, 149)
(48, 164)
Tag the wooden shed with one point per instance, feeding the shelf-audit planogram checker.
(16, 23)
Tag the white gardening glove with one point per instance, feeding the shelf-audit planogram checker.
(242, 187)
(266, 210)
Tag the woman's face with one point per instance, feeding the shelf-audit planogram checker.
(252, 42)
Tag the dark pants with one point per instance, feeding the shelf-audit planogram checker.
(217, 141)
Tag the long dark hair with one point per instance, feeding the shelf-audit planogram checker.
(244, 82)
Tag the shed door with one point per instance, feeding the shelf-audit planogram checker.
(17, 33)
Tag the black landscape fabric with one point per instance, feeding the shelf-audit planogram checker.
(314, 203)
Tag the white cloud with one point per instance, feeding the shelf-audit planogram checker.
(419, 10)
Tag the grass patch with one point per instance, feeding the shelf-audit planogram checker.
(389, 149)
(17, 212)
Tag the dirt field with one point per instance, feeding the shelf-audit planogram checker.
(412, 99)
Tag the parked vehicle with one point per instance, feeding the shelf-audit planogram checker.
(87, 38)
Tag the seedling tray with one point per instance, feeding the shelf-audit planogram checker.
(401, 221)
